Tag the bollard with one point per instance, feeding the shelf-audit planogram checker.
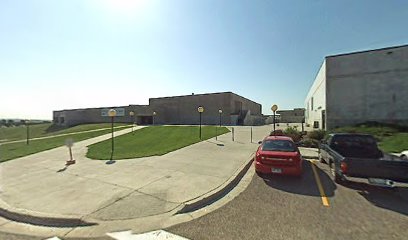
(232, 133)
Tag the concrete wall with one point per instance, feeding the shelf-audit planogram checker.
(368, 86)
(318, 93)
(183, 109)
(296, 115)
(176, 110)
(247, 105)
(93, 115)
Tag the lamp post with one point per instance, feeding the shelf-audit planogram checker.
(200, 110)
(132, 115)
(274, 108)
(27, 123)
(112, 114)
(216, 129)
(154, 114)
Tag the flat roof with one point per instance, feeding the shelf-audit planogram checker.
(365, 51)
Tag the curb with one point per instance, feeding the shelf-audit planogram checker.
(217, 193)
(22, 216)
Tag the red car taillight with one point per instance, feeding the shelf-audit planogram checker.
(259, 157)
(343, 167)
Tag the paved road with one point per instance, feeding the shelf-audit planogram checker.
(290, 208)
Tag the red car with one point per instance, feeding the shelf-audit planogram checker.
(278, 155)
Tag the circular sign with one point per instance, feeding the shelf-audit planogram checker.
(220, 111)
(154, 113)
(200, 109)
(112, 112)
(274, 108)
(69, 142)
(131, 113)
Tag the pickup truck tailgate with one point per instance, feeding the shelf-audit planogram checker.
(390, 168)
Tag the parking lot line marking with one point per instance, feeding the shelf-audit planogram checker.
(325, 200)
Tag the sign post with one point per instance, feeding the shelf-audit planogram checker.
(27, 122)
(274, 108)
(69, 142)
(112, 114)
(200, 110)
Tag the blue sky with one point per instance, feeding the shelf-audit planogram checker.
(92, 53)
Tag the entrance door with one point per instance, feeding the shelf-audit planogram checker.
(323, 119)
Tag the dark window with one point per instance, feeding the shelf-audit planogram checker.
(62, 120)
(279, 145)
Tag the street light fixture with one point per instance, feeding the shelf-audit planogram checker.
(132, 115)
(154, 114)
(274, 108)
(200, 110)
(112, 114)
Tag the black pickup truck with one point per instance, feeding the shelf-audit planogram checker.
(357, 156)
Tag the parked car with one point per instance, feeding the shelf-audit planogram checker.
(278, 155)
(357, 156)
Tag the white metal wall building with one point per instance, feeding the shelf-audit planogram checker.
(359, 87)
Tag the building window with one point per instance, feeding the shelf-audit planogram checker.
(62, 119)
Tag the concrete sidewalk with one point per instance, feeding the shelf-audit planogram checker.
(134, 194)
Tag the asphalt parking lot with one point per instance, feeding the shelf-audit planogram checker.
(295, 208)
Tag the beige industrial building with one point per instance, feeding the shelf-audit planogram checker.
(296, 115)
(353, 88)
(236, 110)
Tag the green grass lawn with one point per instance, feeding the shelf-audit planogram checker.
(10, 151)
(47, 129)
(396, 143)
(390, 139)
(152, 141)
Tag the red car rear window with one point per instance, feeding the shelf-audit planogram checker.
(279, 146)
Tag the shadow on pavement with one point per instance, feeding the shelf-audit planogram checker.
(62, 169)
(305, 185)
(216, 143)
(395, 199)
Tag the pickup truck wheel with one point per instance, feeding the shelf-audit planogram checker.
(404, 157)
(336, 177)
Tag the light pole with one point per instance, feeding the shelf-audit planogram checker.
(112, 114)
(274, 108)
(132, 115)
(216, 129)
(154, 114)
(27, 122)
(200, 110)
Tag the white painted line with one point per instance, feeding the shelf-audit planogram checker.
(154, 235)
(53, 238)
